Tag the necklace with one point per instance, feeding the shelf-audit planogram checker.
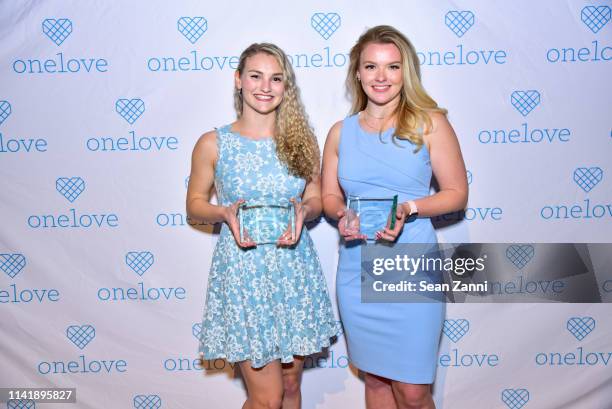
(376, 117)
(384, 123)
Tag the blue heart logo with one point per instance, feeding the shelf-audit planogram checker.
(580, 327)
(525, 101)
(596, 17)
(12, 264)
(469, 177)
(57, 29)
(147, 402)
(130, 109)
(455, 329)
(325, 24)
(459, 21)
(21, 404)
(520, 255)
(196, 330)
(80, 335)
(192, 28)
(5, 111)
(515, 398)
(70, 188)
(139, 261)
(588, 178)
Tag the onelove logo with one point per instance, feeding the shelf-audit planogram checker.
(325, 24)
(71, 188)
(515, 398)
(191, 29)
(455, 330)
(459, 23)
(594, 18)
(587, 179)
(131, 110)
(12, 264)
(483, 214)
(14, 145)
(520, 255)
(524, 102)
(139, 262)
(81, 336)
(580, 328)
(58, 30)
(147, 402)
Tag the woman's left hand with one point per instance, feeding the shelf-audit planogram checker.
(388, 234)
(301, 210)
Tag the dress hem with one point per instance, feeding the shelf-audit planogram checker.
(260, 364)
(414, 380)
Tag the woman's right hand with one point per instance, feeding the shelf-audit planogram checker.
(232, 221)
(348, 225)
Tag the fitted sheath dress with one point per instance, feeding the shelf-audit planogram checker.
(398, 341)
(268, 302)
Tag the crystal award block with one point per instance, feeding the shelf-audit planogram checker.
(265, 223)
(374, 214)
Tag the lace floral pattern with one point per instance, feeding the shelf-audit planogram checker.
(264, 303)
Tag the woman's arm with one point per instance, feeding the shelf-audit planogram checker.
(333, 196)
(331, 192)
(311, 198)
(308, 208)
(201, 181)
(448, 168)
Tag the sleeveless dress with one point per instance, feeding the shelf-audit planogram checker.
(398, 341)
(267, 302)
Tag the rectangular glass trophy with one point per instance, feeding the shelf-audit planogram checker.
(374, 214)
(265, 223)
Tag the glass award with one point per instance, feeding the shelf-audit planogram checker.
(374, 214)
(265, 223)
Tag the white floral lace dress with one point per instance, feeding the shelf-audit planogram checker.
(268, 302)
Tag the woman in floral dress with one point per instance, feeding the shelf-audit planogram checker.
(267, 305)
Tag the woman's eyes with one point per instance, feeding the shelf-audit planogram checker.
(275, 79)
(372, 66)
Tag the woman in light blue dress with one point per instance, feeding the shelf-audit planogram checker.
(394, 140)
(267, 305)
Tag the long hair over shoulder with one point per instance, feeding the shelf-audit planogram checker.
(412, 112)
(296, 144)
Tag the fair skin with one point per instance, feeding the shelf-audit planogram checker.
(380, 74)
(262, 85)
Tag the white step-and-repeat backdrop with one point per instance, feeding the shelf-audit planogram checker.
(103, 275)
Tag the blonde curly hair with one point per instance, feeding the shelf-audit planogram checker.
(412, 112)
(296, 144)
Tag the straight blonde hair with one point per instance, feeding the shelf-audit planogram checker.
(412, 112)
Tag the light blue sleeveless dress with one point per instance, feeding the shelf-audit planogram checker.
(398, 341)
(264, 303)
